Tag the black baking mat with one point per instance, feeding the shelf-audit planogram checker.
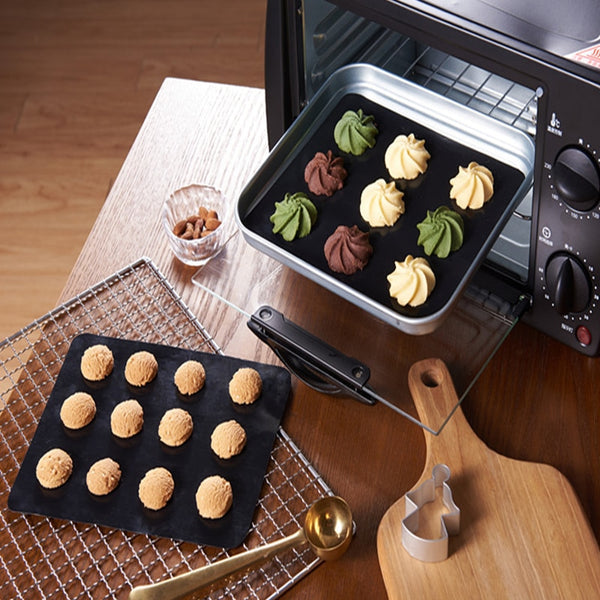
(426, 192)
(189, 464)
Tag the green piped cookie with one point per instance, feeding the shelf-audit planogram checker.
(441, 232)
(294, 216)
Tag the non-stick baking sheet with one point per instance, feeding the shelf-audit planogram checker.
(454, 136)
(189, 464)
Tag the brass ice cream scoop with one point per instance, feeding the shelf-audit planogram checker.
(327, 530)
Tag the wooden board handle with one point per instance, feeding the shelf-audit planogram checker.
(434, 395)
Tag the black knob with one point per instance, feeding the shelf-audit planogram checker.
(568, 283)
(576, 178)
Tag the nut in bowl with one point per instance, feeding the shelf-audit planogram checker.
(196, 219)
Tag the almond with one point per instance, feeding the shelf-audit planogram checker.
(179, 227)
(212, 223)
(196, 226)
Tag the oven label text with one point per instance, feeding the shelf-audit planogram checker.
(546, 237)
(554, 126)
(567, 328)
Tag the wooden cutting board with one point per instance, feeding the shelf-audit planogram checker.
(522, 534)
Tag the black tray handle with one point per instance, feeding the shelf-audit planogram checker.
(316, 363)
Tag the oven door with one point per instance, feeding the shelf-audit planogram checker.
(312, 42)
(362, 358)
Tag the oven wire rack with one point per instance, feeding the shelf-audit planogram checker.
(50, 558)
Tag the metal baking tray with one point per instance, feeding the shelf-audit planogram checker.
(454, 135)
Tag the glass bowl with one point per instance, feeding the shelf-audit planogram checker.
(185, 203)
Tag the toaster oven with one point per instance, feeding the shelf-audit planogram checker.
(532, 66)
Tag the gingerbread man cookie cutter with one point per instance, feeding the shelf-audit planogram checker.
(425, 549)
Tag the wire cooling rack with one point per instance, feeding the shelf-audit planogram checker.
(51, 558)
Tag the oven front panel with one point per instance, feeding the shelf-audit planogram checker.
(567, 259)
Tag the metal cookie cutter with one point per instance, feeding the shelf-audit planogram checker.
(430, 550)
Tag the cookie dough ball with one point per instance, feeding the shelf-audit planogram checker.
(78, 410)
(228, 439)
(127, 419)
(245, 386)
(141, 368)
(97, 362)
(103, 476)
(156, 488)
(190, 377)
(214, 497)
(175, 427)
(54, 468)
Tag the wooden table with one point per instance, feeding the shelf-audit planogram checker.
(536, 400)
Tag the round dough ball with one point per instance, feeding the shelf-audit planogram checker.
(228, 439)
(127, 419)
(175, 427)
(141, 368)
(78, 410)
(97, 362)
(103, 476)
(54, 468)
(245, 386)
(190, 377)
(214, 497)
(156, 488)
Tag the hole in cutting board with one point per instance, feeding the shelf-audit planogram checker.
(431, 378)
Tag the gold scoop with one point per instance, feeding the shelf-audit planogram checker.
(328, 528)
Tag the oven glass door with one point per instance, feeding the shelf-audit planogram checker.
(466, 341)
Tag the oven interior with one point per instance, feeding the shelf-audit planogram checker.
(332, 37)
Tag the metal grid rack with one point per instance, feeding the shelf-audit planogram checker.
(340, 37)
(50, 558)
(449, 76)
(477, 88)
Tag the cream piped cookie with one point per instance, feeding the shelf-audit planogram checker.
(412, 281)
(406, 157)
(472, 187)
(381, 203)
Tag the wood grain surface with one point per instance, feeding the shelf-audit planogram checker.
(525, 405)
(522, 528)
(77, 78)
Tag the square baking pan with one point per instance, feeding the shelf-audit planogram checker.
(454, 135)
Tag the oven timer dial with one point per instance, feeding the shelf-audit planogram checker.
(576, 178)
(568, 283)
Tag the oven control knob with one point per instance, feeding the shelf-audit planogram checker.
(576, 178)
(568, 283)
